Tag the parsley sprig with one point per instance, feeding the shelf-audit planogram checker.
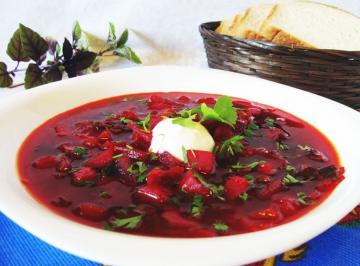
(233, 145)
(197, 206)
(138, 169)
(127, 223)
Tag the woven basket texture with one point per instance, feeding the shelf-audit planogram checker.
(333, 74)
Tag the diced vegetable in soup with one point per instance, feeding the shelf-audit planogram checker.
(179, 165)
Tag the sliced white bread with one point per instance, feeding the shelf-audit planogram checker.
(249, 26)
(226, 26)
(311, 24)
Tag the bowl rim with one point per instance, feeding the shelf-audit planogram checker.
(66, 239)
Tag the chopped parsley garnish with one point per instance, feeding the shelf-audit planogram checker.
(129, 147)
(217, 190)
(125, 120)
(232, 145)
(304, 147)
(303, 199)
(282, 146)
(128, 223)
(249, 131)
(249, 165)
(79, 151)
(270, 122)
(244, 196)
(138, 169)
(197, 205)
(108, 227)
(223, 111)
(290, 180)
(221, 227)
(118, 156)
(250, 178)
(145, 123)
(104, 194)
(290, 169)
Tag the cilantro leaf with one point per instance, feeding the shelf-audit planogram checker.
(221, 227)
(249, 165)
(270, 122)
(128, 223)
(249, 131)
(223, 111)
(217, 190)
(185, 122)
(282, 146)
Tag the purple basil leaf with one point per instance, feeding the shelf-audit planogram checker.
(33, 76)
(15, 49)
(83, 59)
(53, 74)
(5, 78)
(67, 49)
(52, 43)
(33, 44)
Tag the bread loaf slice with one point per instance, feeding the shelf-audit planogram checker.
(249, 26)
(311, 24)
(226, 26)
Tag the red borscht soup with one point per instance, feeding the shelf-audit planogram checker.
(178, 165)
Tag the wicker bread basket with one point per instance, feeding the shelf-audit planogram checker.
(331, 73)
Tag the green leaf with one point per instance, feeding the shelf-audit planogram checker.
(232, 145)
(249, 131)
(249, 165)
(197, 205)
(145, 123)
(5, 78)
(290, 180)
(225, 109)
(79, 151)
(112, 33)
(33, 44)
(67, 49)
(53, 74)
(244, 196)
(185, 122)
(127, 53)
(138, 169)
(221, 227)
(15, 48)
(270, 122)
(84, 59)
(128, 223)
(123, 39)
(217, 190)
(33, 76)
(282, 146)
(76, 34)
(303, 199)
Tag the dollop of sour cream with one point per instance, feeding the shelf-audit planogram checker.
(173, 138)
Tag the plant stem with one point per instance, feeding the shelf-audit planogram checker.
(16, 85)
